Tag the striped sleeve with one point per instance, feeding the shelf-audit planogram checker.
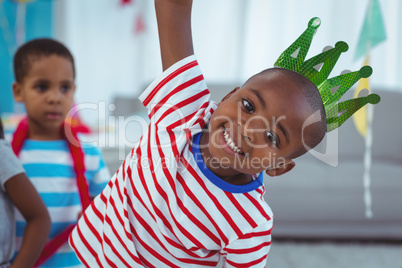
(250, 250)
(167, 98)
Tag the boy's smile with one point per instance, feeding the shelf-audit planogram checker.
(47, 91)
(232, 143)
(255, 128)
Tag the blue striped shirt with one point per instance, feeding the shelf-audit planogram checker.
(49, 166)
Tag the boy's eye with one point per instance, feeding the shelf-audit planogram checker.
(41, 87)
(65, 88)
(249, 107)
(273, 138)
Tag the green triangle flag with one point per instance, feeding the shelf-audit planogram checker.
(373, 31)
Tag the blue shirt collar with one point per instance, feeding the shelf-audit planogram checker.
(228, 187)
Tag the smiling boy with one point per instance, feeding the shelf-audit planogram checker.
(191, 192)
(255, 123)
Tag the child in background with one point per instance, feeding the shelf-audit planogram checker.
(16, 190)
(48, 148)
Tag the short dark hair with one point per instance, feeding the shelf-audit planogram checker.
(313, 98)
(35, 49)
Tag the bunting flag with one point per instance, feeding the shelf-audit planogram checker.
(124, 2)
(372, 34)
(139, 26)
(139, 22)
(373, 31)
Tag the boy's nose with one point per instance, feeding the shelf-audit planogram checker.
(253, 128)
(250, 135)
(242, 131)
(54, 96)
(248, 131)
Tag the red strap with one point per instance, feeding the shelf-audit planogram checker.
(20, 135)
(77, 154)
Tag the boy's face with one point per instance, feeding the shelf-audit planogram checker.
(47, 92)
(258, 127)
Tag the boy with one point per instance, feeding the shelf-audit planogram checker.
(54, 162)
(187, 196)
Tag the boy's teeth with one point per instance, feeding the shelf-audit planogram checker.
(231, 143)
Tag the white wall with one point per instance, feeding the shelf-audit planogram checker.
(233, 39)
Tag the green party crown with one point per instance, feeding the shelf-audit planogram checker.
(318, 68)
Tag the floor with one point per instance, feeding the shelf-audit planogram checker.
(287, 254)
(290, 254)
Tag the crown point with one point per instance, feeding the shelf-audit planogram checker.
(314, 22)
(366, 71)
(342, 46)
(373, 98)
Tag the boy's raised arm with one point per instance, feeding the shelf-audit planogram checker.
(174, 27)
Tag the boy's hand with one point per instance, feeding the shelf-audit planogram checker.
(174, 27)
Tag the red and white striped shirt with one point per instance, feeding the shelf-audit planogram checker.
(163, 207)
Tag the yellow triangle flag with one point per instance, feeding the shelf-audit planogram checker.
(360, 117)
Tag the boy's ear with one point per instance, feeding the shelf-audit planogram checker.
(17, 92)
(230, 93)
(281, 169)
